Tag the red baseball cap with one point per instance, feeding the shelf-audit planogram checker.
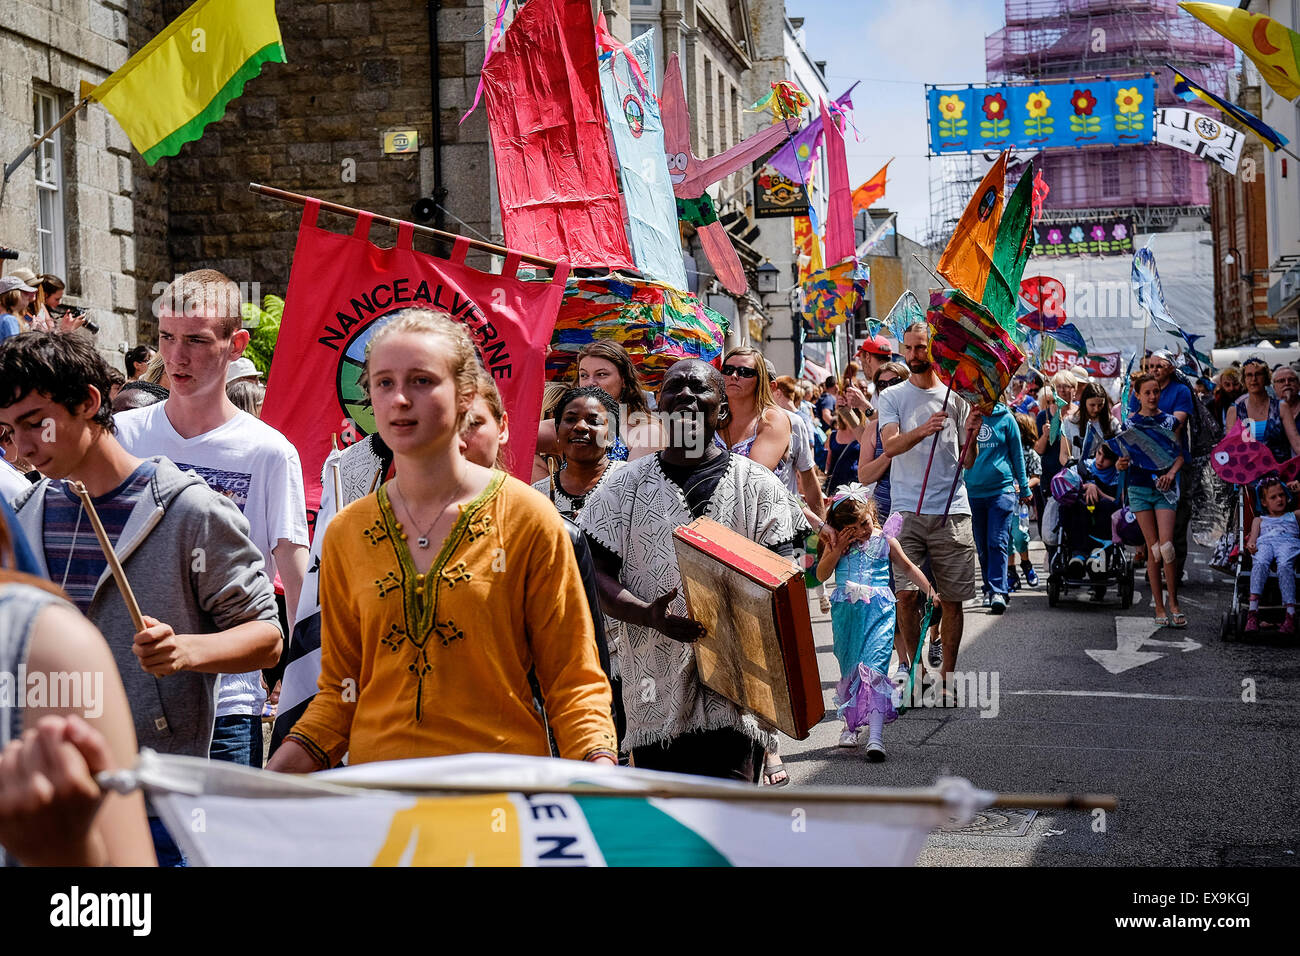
(877, 345)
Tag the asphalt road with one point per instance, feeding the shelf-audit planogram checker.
(1203, 776)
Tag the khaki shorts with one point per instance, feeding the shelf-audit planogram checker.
(950, 548)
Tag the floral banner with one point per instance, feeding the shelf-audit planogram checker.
(1106, 237)
(1041, 116)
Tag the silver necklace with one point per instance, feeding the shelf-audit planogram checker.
(72, 550)
(423, 540)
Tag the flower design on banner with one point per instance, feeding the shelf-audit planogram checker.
(996, 126)
(1054, 237)
(1076, 234)
(1119, 231)
(1081, 120)
(1128, 101)
(1098, 232)
(1039, 124)
(951, 124)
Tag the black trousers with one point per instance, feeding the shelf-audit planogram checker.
(725, 753)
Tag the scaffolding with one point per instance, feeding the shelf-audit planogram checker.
(1096, 39)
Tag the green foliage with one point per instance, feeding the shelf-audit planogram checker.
(264, 323)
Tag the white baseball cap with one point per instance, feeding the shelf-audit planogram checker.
(242, 368)
(9, 283)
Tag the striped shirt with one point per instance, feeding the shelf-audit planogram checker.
(72, 551)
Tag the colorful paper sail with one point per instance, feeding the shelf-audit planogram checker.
(795, 159)
(1042, 305)
(831, 297)
(970, 349)
(1187, 91)
(657, 324)
(1240, 457)
(1150, 447)
(1070, 336)
(1010, 253)
(691, 175)
(967, 258)
(1150, 293)
(907, 311)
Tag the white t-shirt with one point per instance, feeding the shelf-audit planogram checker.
(12, 483)
(1070, 434)
(250, 463)
(800, 450)
(908, 407)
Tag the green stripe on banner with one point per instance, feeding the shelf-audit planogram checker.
(632, 832)
(192, 129)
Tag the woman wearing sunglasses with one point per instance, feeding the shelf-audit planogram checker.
(873, 463)
(754, 427)
(1280, 433)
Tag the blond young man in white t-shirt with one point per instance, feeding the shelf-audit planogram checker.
(199, 335)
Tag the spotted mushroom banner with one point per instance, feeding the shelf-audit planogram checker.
(1041, 115)
(1103, 237)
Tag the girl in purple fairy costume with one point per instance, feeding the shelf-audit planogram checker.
(862, 612)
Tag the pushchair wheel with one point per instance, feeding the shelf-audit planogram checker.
(1126, 590)
(1227, 627)
(1053, 591)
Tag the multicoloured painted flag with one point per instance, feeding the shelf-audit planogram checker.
(1150, 447)
(1069, 336)
(1271, 46)
(1042, 303)
(1187, 91)
(831, 296)
(184, 78)
(839, 201)
(971, 350)
(507, 810)
(657, 324)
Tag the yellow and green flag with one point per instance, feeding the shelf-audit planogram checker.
(1271, 46)
(183, 79)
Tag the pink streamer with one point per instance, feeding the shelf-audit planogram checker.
(839, 204)
(492, 42)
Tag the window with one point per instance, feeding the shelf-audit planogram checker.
(638, 28)
(1110, 182)
(49, 186)
(1181, 180)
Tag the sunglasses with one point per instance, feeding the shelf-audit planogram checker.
(741, 370)
(886, 382)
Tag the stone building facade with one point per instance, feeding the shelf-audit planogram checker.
(69, 209)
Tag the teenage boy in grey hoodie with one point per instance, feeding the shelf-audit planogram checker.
(208, 605)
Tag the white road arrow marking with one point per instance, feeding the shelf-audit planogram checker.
(1131, 634)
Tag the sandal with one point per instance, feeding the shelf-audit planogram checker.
(1178, 621)
(774, 770)
(1162, 621)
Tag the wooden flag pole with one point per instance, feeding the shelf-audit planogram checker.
(119, 575)
(925, 479)
(952, 492)
(298, 199)
(31, 147)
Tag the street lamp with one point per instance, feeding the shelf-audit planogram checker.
(769, 277)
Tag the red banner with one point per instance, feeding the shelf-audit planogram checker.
(555, 171)
(1097, 364)
(344, 287)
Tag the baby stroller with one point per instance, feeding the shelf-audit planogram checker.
(1104, 562)
(1232, 626)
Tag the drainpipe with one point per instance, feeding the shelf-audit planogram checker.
(439, 192)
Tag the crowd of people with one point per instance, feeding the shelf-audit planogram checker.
(463, 611)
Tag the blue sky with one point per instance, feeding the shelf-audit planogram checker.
(895, 47)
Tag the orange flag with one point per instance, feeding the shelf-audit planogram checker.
(966, 260)
(870, 191)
